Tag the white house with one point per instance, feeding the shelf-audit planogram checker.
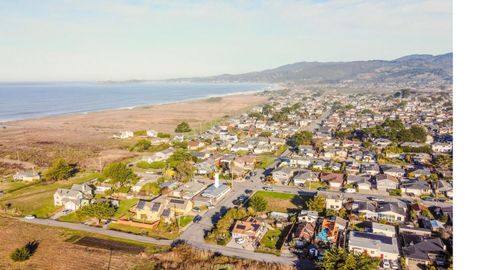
(74, 198)
(374, 245)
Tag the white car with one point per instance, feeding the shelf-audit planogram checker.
(240, 241)
(29, 217)
(386, 264)
(350, 190)
(394, 264)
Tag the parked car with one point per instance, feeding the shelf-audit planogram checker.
(29, 217)
(248, 191)
(268, 188)
(197, 218)
(375, 199)
(386, 264)
(240, 240)
(394, 264)
(236, 202)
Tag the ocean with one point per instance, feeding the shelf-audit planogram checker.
(32, 100)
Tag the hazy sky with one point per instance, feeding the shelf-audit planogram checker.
(101, 40)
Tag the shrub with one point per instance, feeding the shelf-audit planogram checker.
(183, 127)
(60, 170)
(20, 254)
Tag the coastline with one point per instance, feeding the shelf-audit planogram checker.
(268, 87)
(86, 138)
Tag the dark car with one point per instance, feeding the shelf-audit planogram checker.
(237, 202)
(248, 191)
(197, 218)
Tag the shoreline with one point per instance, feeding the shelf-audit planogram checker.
(270, 87)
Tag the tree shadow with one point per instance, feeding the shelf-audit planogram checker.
(32, 246)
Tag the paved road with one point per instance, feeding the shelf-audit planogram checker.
(86, 228)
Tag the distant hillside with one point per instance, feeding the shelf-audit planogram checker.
(412, 70)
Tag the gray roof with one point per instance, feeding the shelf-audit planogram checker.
(418, 247)
(373, 241)
(214, 192)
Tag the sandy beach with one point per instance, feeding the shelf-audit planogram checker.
(84, 137)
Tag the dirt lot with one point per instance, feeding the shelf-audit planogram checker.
(53, 252)
(85, 137)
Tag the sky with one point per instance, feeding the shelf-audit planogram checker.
(120, 40)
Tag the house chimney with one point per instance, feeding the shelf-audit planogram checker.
(217, 181)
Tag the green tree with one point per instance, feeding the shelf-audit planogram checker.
(341, 259)
(60, 170)
(302, 137)
(163, 135)
(258, 203)
(184, 171)
(256, 115)
(267, 109)
(280, 117)
(141, 145)
(180, 155)
(183, 127)
(317, 204)
(119, 173)
(419, 133)
(266, 134)
(101, 210)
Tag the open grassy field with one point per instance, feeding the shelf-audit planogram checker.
(37, 198)
(54, 252)
(143, 231)
(283, 202)
(63, 249)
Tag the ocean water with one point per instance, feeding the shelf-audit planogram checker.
(33, 100)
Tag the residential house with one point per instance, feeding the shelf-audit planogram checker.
(392, 212)
(334, 180)
(74, 198)
(152, 133)
(386, 182)
(301, 177)
(383, 229)
(334, 202)
(27, 176)
(250, 229)
(423, 250)
(374, 245)
(416, 187)
(308, 216)
(304, 233)
(282, 174)
(393, 171)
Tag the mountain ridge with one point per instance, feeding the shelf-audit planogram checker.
(416, 70)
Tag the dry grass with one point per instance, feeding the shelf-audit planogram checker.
(53, 252)
(84, 138)
(188, 258)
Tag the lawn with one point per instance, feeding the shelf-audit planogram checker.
(71, 217)
(271, 238)
(124, 206)
(315, 185)
(185, 220)
(37, 198)
(143, 231)
(264, 162)
(270, 242)
(283, 202)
